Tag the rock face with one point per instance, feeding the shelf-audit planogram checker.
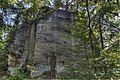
(34, 44)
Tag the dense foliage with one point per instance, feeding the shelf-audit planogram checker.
(97, 25)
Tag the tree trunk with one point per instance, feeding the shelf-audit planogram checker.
(53, 66)
(101, 37)
(89, 26)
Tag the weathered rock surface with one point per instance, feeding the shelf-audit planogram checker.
(37, 41)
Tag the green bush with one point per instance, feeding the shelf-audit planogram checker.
(20, 75)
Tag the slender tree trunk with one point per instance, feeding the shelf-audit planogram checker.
(89, 26)
(67, 6)
(101, 37)
(53, 66)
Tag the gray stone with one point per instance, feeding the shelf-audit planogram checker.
(37, 41)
